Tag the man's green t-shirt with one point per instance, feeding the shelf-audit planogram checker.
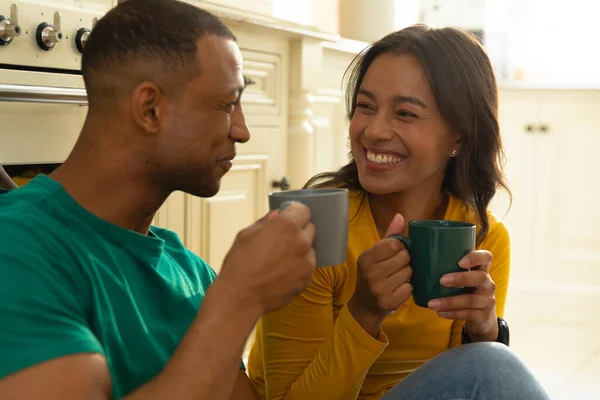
(71, 282)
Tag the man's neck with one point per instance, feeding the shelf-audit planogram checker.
(112, 189)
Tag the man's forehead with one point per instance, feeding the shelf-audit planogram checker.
(219, 53)
(220, 61)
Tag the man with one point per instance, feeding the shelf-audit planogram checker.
(5, 181)
(95, 303)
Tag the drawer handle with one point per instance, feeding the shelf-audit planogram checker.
(42, 94)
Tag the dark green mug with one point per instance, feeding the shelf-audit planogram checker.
(435, 248)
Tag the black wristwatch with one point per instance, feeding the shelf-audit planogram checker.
(503, 333)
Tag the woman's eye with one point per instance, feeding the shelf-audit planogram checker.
(364, 106)
(403, 113)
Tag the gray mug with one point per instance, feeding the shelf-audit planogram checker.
(329, 213)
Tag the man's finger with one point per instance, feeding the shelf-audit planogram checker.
(298, 213)
(270, 216)
(309, 233)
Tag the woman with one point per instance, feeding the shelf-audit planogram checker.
(425, 144)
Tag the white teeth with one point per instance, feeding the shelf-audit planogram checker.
(384, 158)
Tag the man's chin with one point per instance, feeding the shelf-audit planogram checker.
(205, 191)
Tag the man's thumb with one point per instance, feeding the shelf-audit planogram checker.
(396, 227)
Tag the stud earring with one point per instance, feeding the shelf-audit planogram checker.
(453, 153)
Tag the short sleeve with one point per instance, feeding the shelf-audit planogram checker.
(41, 316)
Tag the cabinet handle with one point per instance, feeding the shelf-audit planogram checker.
(529, 128)
(283, 184)
(544, 128)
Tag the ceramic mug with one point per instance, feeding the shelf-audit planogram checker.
(435, 248)
(329, 213)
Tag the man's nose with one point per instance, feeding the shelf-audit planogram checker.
(239, 132)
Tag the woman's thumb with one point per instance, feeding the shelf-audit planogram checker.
(396, 226)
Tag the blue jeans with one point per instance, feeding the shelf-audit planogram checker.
(482, 371)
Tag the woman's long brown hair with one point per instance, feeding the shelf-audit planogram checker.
(464, 87)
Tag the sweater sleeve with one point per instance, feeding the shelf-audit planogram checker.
(498, 243)
(308, 355)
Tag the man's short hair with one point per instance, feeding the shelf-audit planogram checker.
(161, 34)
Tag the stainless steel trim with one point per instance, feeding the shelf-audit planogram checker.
(42, 94)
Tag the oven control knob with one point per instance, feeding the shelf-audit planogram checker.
(48, 35)
(9, 27)
(81, 38)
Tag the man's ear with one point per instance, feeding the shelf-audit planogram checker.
(147, 103)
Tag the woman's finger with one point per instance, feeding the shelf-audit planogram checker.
(480, 259)
(465, 301)
(476, 278)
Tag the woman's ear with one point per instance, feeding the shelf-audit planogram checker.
(455, 149)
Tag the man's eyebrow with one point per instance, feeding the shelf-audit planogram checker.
(238, 90)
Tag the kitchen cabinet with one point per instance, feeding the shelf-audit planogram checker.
(551, 139)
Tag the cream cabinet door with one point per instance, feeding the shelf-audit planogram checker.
(518, 114)
(569, 188)
(551, 140)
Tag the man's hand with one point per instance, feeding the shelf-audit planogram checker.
(272, 261)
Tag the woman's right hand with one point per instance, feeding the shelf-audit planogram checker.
(383, 281)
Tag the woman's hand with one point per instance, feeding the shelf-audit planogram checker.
(478, 308)
(382, 284)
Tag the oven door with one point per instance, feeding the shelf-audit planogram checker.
(41, 115)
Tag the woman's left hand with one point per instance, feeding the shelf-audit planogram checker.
(478, 308)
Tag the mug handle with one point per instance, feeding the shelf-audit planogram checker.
(405, 240)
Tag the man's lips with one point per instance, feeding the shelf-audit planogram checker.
(227, 158)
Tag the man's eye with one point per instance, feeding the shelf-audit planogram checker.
(231, 106)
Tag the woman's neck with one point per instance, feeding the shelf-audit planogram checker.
(412, 204)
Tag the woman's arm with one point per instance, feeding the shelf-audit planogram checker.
(5, 181)
(497, 242)
(308, 355)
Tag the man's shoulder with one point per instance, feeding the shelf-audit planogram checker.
(21, 212)
(31, 227)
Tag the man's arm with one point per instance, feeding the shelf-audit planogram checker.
(5, 181)
(204, 366)
(244, 389)
(206, 363)
(266, 267)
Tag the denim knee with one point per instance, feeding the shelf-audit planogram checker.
(497, 367)
(486, 354)
(482, 371)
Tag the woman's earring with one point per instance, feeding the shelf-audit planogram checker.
(453, 153)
